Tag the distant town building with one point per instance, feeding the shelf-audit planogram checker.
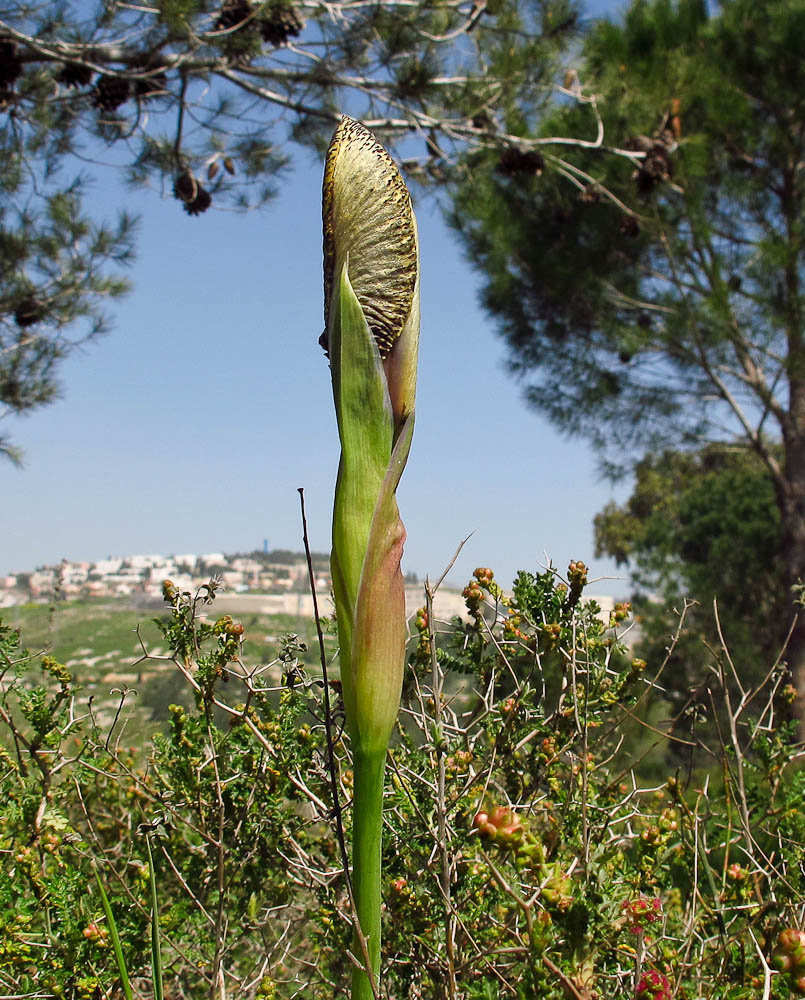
(127, 576)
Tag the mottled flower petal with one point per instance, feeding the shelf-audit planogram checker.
(368, 217)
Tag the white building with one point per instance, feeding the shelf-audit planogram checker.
(213, 559)
(146, 562)
(106, 566)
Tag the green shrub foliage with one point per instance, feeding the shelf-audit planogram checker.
(537, 842)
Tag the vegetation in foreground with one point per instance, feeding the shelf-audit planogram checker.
(549, 830)
(109, 648)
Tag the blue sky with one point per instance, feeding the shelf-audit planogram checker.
(191, 425)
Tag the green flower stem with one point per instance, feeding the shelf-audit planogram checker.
(367, 835)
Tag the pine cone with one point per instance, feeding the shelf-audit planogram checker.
(74, 75)
(233, 13)
(654, 170)
(29, 310)
(110, 92)
(200, 203)
(629, 227)
(185, 187)
(279, 23)
(195, 198)
(519, 161)
(10, 64)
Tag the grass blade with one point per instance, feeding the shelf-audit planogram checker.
(116, 947)
(156, 950)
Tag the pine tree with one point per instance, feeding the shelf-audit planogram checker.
(202, 98)
(652, 297)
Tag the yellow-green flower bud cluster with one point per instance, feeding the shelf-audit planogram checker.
(788, 959)
(503, 828)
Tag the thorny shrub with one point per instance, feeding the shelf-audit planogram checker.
(542, 838)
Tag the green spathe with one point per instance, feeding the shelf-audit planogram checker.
(369, 590)
(368, 534)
